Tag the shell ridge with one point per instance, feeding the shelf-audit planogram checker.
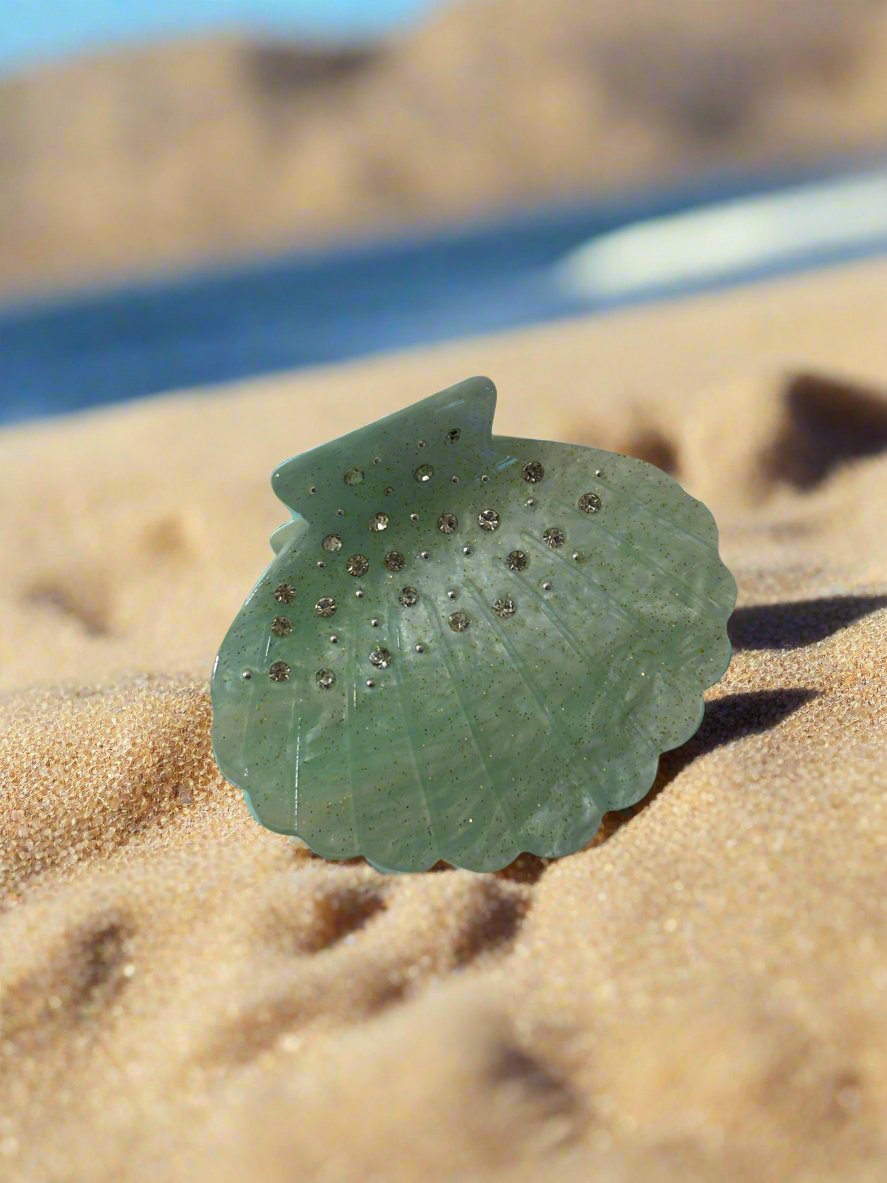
(530, 682)
(623, 611)
(676, 486)
(579, 649)
(350, 695)
(451, 674)
(401, 692)
(649, 563)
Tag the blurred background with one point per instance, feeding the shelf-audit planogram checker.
(194, 194)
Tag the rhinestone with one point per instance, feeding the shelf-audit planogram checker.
(279, 671)
(424, 473)
(408, 597)
(516, 561)
(379, 521)
(370, 683)
(246, 675)
(454, 480)
(375, 622)
(530, 501)
(484, 479)
(325, 679)
(447, 523)
(425, 554)
(357, 565)
(554, 536)
(313, 489)
(453, 435)
(533, 472)
(504, 607)
(380, 658)
(325, 606)
(466, 550)
(546, 585)
(340, 513)
(414, 517)
(395, 561)
(334, 639)
(354, 476)
(321, 563)
(597, 472)
(458, 622)
(280, 626)
(389, 491)
(488, 519)
(421, 444)
(284, 593)
(577, 556)
(589, 503)
(420, 648)
(451, 595)
(359, 593)
(377, 460)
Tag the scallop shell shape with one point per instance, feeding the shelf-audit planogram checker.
(519, 700)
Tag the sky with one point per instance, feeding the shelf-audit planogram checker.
(40, 30)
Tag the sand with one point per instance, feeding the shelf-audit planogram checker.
(701, 994)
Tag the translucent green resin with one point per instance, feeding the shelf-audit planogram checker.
(467, 646)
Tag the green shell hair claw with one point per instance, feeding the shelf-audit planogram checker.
(467, 646)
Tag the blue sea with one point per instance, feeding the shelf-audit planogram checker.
(216, 325)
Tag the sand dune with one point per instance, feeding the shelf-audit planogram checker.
(698, 995)
(157, 156)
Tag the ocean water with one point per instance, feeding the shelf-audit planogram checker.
(217, 325)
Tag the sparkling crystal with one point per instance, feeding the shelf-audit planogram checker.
(279, 671)
(488, 519)
(281, 625)
(458, 622)
(447, 523)
(379, 521)
(504, 607)
(357, 565)
(395, 561)
(589, 503)
(533, 472)
(354, 476)
(408, 597)
(325, 606)
(325, 679)
(332, 542)
(554, 537)
(284, 593)
(380, 658)
(516, 561)
(424, 473)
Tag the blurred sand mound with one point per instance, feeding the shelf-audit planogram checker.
(157, 156)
